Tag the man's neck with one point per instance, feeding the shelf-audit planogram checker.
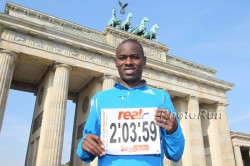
(132, 84)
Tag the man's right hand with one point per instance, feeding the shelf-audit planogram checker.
(93, 145)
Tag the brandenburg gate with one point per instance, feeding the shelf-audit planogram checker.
(58, 61)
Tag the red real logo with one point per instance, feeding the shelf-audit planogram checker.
(126, 115)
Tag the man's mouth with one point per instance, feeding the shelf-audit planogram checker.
(129, 70)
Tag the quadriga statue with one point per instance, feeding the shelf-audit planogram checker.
(141, 29)
(126, 24)
(113, 21)
(152, 34)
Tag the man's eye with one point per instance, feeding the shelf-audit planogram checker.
(135, 57)
(122, 58)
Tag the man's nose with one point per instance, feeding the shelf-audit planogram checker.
(128, 61)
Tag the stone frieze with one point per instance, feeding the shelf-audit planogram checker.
(58, 48)
(183, 82)
(92, 57)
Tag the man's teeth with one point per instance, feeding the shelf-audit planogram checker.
(129, 71)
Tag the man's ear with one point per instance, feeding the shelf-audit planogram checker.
(115, 62)
(144, 61)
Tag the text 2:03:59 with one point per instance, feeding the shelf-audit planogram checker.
(129, 132)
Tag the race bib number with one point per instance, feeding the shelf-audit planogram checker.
(130, 131)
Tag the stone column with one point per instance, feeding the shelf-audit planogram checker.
(167, 162)
(181, 108)
(7, 62)
(196, 136)
(225, 138)
(238, 156)
(73, 141)
(52, 130)
(108, 81)
(210, 118)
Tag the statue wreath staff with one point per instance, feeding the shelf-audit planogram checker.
(123, 6)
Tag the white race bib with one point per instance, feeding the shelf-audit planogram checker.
(130, 131)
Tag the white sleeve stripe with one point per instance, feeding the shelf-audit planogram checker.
(162, 104)
(97, 112)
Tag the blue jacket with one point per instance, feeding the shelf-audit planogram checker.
(121, 97)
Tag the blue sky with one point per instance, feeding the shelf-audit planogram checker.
(214, 33)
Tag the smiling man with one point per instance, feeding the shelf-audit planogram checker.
(130, 61)
(131, 124)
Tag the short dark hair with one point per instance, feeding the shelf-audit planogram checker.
(132, 41)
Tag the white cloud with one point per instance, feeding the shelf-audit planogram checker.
(240, 119)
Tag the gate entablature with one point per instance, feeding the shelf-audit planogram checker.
(96, 55)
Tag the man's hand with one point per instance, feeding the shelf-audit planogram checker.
(166, 120)
(93, 145)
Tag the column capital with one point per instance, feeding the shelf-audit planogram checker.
(108, 81)
(176, 99)
(108, 76)
(62, 65)
(208, 106)
(189, 97)
(186, 98)
(194, 97)
(164, 89)
(9, 53)
(204, 106)
(221, 104)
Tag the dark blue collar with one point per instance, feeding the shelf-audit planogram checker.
(140, 86)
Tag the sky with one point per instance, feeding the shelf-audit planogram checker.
(213, 33)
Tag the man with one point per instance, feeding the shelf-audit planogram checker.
(132, 92)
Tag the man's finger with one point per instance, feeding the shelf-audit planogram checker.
(99, 143)
(158, 113)
(165, 114)
(172, 117)
(94, 144)
(89, 148)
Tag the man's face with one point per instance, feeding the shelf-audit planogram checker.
(130, 62)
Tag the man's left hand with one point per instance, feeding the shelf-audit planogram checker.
(166, 120)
